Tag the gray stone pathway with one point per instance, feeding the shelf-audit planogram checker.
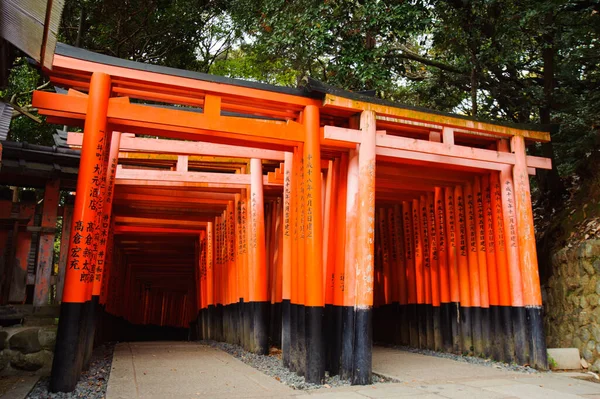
(190, 370)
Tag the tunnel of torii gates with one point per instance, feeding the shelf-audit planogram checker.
(373, 221)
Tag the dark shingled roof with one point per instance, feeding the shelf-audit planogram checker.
(311, 88)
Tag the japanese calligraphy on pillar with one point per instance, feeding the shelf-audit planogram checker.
(462, 234)
(512, 224)
(287, 193)
(489, 228)
(310, 177)
(480, 222)
(433, 241)
(472, 224)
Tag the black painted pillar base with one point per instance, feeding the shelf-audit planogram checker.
(404, 325)
(363, 347)
(466, 335)
(436, 314)
(336, 360)
(422, 325)
(538, 356)
(429, 327)
(413, 325)
(68, 352)
(261, 328)
(275, 324)
(219, 322)
(507, 332)
(294, 350)
(240, 322)
(486, 332)
(286, 336)
(209, 320)
(91, 312)
(446, 326)
(497, 336)
(455, 326)
(328, 334)
(476, 328)
(315, 356)
(520, 333)
(247, 319)
(301, 335)
(347, 359)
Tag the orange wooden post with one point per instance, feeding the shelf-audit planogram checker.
(315, 299)
(465, 311)
(513, 257)
(286, 290)
(208, 280)
(295, 301)
(339, 242)
(403, 331)
(435, 272)
(440, 216)
(483, 267)
(46, 244)
(109, 150)
(349, 282)
(532, 296)
(394, 313)
(453, 275)
(364, 252)
(425, 328)
(258, 292)
(329, 254)
(419, 255)
(498, 341)
(68, 356)
(475, 287)
(411, 249)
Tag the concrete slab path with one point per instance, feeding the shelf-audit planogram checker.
(185, 370)
(190, 370)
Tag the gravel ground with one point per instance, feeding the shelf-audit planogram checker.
(272, 365)
(468, 359)
(92, 383)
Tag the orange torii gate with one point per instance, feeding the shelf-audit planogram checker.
(376, 215)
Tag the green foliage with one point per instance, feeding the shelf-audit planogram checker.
(23, 79)
(187, 34)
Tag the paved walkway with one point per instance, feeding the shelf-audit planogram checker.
(190, 370)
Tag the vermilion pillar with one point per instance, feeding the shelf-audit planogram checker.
(68, 357)
(363, 339)
(314, 300)
(349, 285)
(532, 295)
(259, 284)
(286, 336)
(111, 151)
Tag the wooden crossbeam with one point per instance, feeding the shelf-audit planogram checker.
(172, 123)
(224, 179)
(402, 147)
(176, 147)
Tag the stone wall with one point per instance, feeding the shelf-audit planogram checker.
(572, 301)
(24, 348)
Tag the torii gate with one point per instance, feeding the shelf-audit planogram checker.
(265, 122)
